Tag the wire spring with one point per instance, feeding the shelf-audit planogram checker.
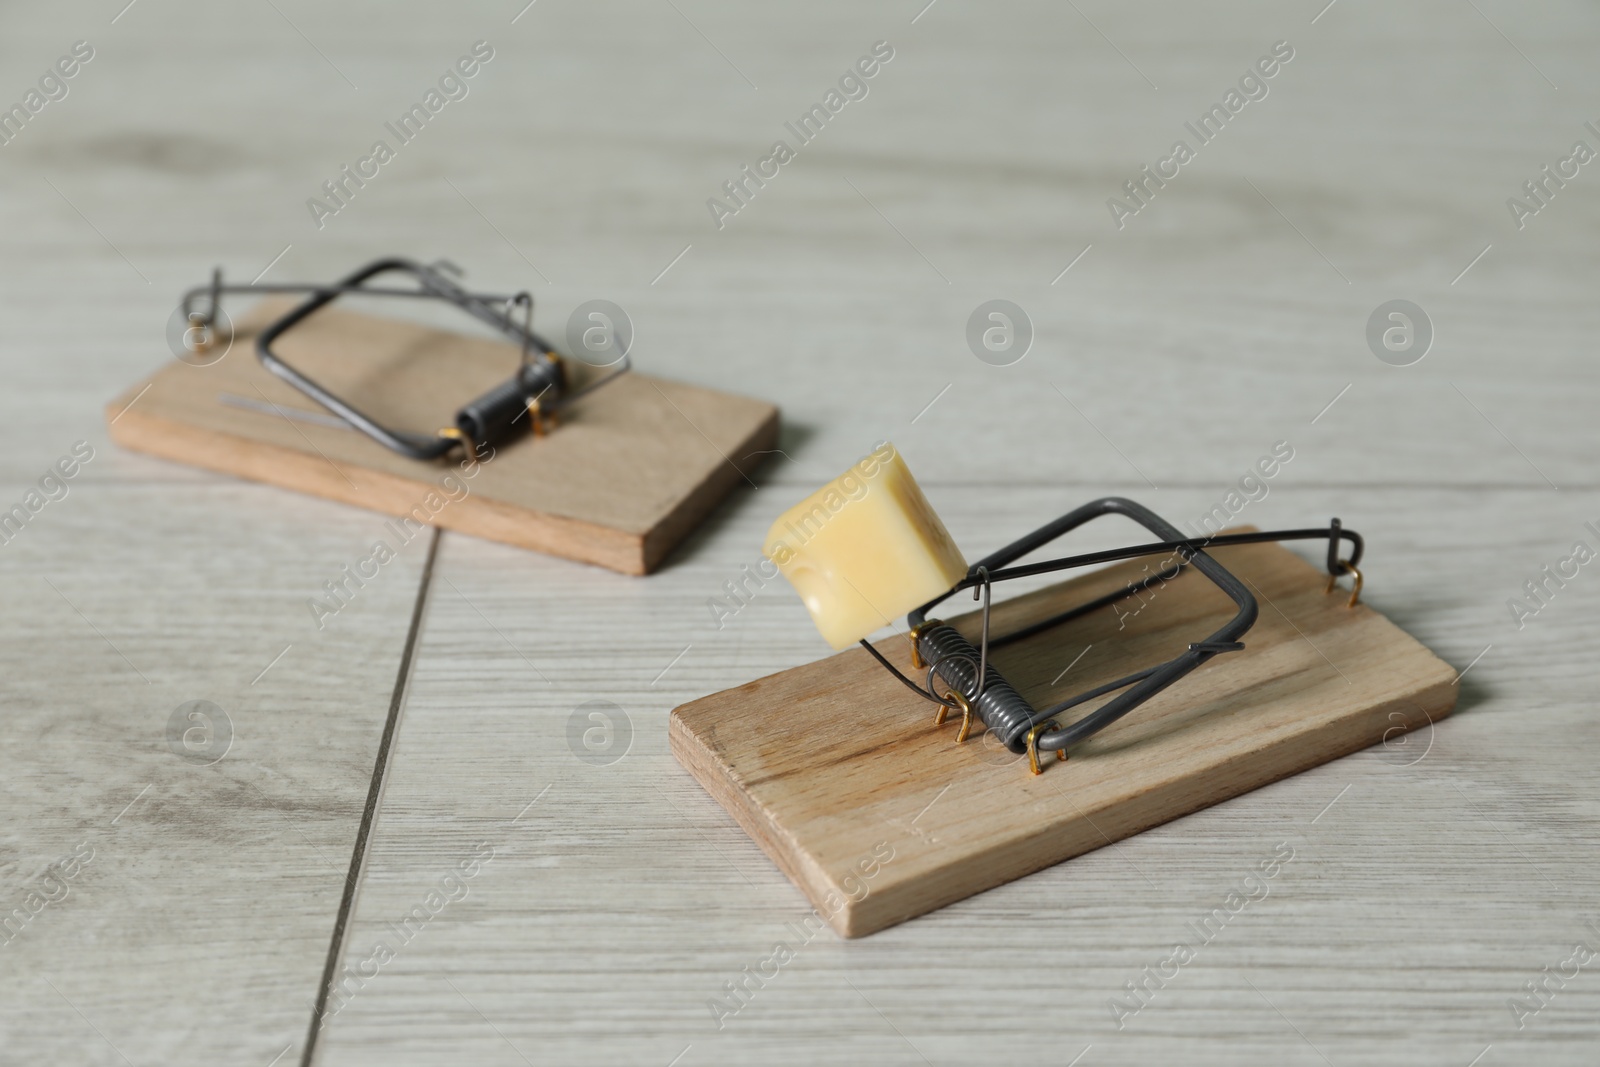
(1003, 710)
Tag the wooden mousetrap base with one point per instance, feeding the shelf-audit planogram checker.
(624, 477)
(824, 765)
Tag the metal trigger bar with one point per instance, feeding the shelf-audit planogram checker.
(984, 587)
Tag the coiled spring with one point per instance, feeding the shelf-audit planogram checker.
(955, 660)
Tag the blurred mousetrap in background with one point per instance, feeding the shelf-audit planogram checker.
(820, 762)
(533, 396)
(337, 404)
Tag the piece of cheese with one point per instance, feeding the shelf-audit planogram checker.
(864, 549)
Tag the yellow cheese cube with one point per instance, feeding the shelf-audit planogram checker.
(864, 549)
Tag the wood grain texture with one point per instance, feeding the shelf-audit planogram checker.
(197, 931)
(818, 762)
(634, 466)
(1429, 883)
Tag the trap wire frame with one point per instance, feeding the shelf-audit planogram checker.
(539, 389)
(978, 691)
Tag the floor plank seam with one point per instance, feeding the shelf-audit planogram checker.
(370, 811)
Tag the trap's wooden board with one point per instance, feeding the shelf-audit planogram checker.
(825, 765)
(630, 471)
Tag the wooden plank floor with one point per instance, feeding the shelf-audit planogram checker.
(609, 901)
(621, 902)
(218, 847)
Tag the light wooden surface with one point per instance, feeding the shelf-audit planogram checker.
(1167, 359)
(818, 763)
(638, 464)
(197, 931)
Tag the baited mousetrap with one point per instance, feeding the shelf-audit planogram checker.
(1183, 672)
(572, 455)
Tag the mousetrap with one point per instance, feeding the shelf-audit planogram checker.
(575, 457)
(1219, 665)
